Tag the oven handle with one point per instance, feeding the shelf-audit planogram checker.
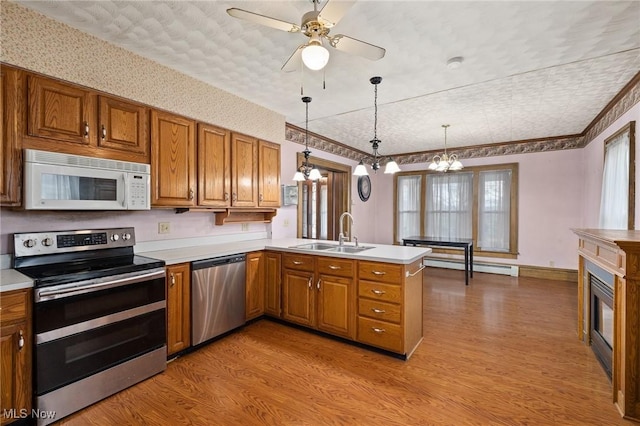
(78, 288)
(80, 327)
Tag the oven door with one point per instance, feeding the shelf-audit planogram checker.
(82, 333)
(56, 187)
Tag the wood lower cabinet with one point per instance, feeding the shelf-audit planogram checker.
(319, 292)
(15, 353)
(178, 307)
(272, 284)
(390, 306)
(10, 125)
(173, 155)
(255, 279)
(268, 174)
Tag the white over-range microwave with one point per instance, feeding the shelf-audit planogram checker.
(55, 181)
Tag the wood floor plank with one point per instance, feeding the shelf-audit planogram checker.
(501, 351)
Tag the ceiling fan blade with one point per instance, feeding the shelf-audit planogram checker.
(294, 61)
(333, 11)
(356, 47)
(263, 20)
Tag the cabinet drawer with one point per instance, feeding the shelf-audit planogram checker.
(381, 334)
(383, 272)
(13, 306)
(300, 262)
(379, 310)
(379, 291)
(333, 266)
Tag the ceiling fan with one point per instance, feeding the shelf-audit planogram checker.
(316, 25)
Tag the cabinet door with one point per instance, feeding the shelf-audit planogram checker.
(178, 307)
(123, 127)
(272, 284)
(335, 305)
(298, 297)
(244, 171)
(173, 173)
(254, 301)
(268, 174)
(214, 163)
(61, 112)
(10, 175)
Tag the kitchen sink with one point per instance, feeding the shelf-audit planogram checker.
(315, 246)
(349, 249)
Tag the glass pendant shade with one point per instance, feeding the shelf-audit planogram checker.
(391, 167)
(360, 170)
(315, 56)
(299, 176)
(315, 174)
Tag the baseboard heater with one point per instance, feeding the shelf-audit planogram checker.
(491, 268)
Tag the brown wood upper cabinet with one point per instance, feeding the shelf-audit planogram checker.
(173, 154)
(214, 166)
(67, 118)
(244, 171)
(10, 182)
(268, 174)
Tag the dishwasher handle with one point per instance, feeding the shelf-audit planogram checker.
(217, 261)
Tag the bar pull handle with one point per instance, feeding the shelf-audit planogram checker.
(104, 132)
(86, 129)
(411, 275)
(297, 262)
(334, 267)
(260, 198)
(20, 340)
(378, 311)
(318, 284)
(378, 292)
(310, 281)
(226, 196)
(191, 194)
(378, 272)
(173, 279)
(234, 197)
(378, 330)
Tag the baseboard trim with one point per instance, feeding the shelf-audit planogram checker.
(542, 272)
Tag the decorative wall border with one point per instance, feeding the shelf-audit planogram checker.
(621, 103)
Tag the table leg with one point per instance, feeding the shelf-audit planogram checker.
(471, 259)
(466, 265)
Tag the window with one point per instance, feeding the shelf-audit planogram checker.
(617, 203)
(478, 203)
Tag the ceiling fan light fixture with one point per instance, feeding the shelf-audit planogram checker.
(314, 55)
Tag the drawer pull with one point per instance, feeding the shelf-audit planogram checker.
(378, 292)
(21, 341)
(334, 267)
(378, 311)
(411, 275)
(297, 262)
(378, 272)
(378, 330)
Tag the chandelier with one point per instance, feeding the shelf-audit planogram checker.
(445, 162)
(392, 166)
(306, 170)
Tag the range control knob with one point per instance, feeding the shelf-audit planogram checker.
(115, 237)
(47, 242)
(126, 236)
(29, 243)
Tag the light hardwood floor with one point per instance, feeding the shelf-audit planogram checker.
(502, 351)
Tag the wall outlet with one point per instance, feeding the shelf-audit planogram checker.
(164, 227)
(286, 223)
(245, 226)
(552, 263)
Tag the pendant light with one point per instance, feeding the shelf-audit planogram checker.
(391, 166)
(445, 162)
(306, 170)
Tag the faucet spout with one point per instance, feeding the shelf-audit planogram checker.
(342, 237)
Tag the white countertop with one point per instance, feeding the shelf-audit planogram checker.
(10, 279)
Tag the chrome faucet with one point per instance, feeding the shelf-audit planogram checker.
(342, 237)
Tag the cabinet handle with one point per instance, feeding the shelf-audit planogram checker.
(104, 132)
(378, 330)
(20, 341)
(297, 262)
(378, 311)
(260, 198)
(310, 281)
(334, 267)
(226, 196)
(86, 129)
(318, 285)
(409, 274)
(378, 272)
(191, 194)
(234, 197)
(173, 279)
(378, 292)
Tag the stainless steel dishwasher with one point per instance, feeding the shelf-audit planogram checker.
(217, 296)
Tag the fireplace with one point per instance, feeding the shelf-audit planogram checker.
(601, 329)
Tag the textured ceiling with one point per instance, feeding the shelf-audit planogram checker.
(531, 69)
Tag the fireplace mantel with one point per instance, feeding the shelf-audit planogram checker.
(617, 252)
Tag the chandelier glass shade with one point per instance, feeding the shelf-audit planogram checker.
(391, 166)
(445, 162)
(314, 55)
(306, 170)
